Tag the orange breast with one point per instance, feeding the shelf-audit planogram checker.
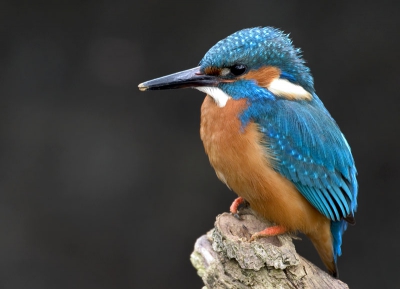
(243, 163)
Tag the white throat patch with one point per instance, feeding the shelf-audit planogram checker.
(217, 94)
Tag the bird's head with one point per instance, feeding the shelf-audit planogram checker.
(252, 63)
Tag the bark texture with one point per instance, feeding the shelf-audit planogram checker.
(225, 259)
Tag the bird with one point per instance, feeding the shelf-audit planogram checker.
(270, 138)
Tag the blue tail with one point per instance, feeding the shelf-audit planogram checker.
(337, 230)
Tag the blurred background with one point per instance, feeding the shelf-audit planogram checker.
(103, 186)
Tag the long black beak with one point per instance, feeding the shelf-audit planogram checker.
(184, 79)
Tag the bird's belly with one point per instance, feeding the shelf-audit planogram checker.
(242, 162)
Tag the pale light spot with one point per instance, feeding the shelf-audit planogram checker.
(347, 144)
(225, 71)
(284, 88)
(217, 94)
(199, 248)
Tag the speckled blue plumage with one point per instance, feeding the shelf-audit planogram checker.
(256, 46)
(307, 146)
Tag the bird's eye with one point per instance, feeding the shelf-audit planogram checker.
(238, 69)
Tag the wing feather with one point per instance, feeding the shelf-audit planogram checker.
(309, 149)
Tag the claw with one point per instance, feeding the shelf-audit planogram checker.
(254, 237)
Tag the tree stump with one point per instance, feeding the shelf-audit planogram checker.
(225, 259)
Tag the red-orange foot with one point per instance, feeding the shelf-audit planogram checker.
(268, 232)
(234, 207)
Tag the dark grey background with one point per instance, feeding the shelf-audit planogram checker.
(103, 186)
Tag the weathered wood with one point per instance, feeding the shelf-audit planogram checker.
(225, 259)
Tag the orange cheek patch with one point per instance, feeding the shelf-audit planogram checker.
(264, 75)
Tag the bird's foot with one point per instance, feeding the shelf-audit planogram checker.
(269, 232)
(235, 205)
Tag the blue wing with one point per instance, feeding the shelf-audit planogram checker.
(311, 152)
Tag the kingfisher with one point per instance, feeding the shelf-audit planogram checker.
(271, 140)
